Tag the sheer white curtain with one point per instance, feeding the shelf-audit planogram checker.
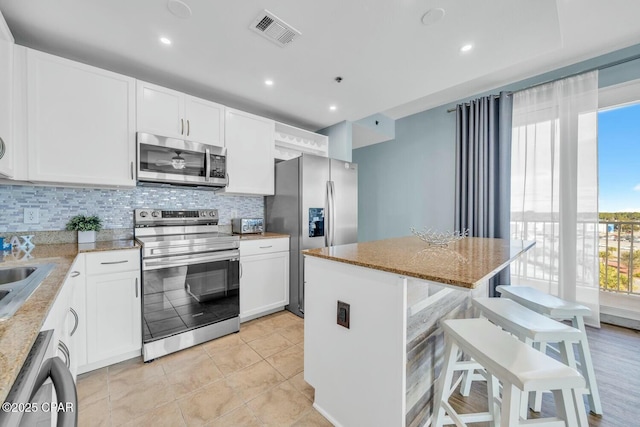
(554, 189)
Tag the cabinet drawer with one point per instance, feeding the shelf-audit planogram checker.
(263, 246)
(113, 261)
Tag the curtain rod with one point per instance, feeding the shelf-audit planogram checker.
(603, 67)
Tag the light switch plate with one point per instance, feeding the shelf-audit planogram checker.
(31, 215)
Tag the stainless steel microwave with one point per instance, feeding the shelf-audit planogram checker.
(175, 161)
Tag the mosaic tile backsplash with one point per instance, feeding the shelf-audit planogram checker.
(115, 207)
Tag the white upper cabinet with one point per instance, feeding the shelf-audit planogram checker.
(250, 163)
(6, 85)
(170, 113)
(80, 121)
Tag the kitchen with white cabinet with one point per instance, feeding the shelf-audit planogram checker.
(227, 92)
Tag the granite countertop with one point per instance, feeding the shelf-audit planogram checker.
(265, 235)
(465, 263)
(18, 333)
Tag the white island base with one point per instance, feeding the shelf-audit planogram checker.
(380, 371)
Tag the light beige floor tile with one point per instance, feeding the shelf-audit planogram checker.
(95, 414)
(194, 375)
(282, 319)
(209, 403)
(241, 417)
(253, 330)
(235, 358)
(289, 362)
(135, 369)
(302, 386)
(254, 380)
(168, 415)
(312, 419)
(270, 344)
(280, 406)
(223, 343)
(131, 399)
(178, 360)
(92, 386)
(294, 333)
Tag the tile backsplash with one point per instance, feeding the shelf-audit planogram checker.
(114, 206)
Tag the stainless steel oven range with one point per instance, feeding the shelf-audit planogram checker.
(190, 279)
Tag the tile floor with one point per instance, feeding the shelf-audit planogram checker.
(252, 378)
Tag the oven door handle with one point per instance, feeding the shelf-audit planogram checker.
(157, 263)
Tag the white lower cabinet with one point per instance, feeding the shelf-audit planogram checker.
(264, 277)
(113, 307)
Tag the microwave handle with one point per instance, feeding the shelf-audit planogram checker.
(207, 165)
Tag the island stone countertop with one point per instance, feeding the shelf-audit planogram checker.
(18, 333)
(465, 263)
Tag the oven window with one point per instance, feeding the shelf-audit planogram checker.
(177, 299)
(154, 158)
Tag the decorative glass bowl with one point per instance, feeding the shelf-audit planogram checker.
(437, 238)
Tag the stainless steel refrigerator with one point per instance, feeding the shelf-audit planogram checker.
(316, 203)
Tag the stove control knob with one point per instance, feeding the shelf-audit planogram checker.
(155, 214)
(212, 213)
(144, 214)
(203, 214)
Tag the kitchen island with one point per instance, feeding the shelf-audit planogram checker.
(380, 370)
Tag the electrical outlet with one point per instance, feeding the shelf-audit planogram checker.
(31, 216)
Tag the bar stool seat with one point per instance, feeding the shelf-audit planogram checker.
(519, 368)
(557, 308)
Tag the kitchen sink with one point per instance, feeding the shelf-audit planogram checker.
(10, 275)
(17, 284)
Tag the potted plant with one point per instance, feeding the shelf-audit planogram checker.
(86, 226)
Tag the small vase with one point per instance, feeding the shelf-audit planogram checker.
(86, 236)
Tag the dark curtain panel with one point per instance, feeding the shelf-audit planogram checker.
(483, 170)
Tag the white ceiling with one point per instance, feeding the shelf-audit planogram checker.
(389, 60)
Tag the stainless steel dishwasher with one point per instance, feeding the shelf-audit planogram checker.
(44, 389)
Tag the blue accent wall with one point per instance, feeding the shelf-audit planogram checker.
(114, 206)
(410, 181)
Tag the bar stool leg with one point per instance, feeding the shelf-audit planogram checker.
(493, 395)
(535, 398)
(444, 382)
(586, 365)
(569, 359)
(510, 415)
(565, 408)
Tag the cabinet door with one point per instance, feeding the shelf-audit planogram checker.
(113, 315)
(264, 284)
(249, 141)
(81, 123)
(6, 85)
(205, 121)
(160, 111)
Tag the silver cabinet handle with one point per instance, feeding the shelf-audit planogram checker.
(3, 148)
(114, 262)
(181, 126)
(207, 164)
(240, 271)
(266, 247)
(132, 170)
(75, 316)
(67, 355)
(188, 127)
(75, 273)
(136, 287)
(228, 179)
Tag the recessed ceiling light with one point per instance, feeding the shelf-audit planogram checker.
(432, 16)
(165, 40)
(466, 48)
(179, 9)
(268, 82)
(332, 108)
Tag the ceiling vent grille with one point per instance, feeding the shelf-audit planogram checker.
(274, 29)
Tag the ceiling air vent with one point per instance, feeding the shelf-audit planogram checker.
(273, 28)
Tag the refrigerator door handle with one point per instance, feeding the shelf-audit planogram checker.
(333, 212)
(327, 214)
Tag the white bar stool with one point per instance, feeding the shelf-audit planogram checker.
(557, 308)
(531, 327)
(516, 365)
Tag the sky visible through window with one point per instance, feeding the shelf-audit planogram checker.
(619, 159)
